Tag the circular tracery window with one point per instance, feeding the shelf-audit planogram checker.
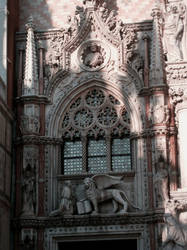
(83, 118)
(96, 108)
(95, 98)
(107, 116)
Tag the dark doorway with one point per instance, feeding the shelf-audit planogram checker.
(98, 244)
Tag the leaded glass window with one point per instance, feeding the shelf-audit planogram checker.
(121, 155)
(97, 162)
(72, 158)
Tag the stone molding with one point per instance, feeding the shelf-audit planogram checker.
(86, 220)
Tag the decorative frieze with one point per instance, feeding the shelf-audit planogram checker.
(176, 73)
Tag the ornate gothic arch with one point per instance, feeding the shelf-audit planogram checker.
(124, 92)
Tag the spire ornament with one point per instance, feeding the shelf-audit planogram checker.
(31, 68)
(157, 60)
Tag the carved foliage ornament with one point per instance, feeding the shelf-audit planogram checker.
(93, 56)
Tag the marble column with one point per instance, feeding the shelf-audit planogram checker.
(182, 142)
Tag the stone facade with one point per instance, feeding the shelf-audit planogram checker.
(100, 124)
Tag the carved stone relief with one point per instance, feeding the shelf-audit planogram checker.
(28, 239)
(93, 55)
(98, 194)
(174, 234)
(30, 123)
(66, 200)
(29, 180)
(161, 182)
(176, 73)
(174, 31)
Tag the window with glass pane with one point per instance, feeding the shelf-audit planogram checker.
(97, 162)
(72, 158)
(121, 155)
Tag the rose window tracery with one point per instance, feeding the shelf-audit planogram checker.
(83, 118)
(107, 116)
(95, 98)
(96, 108)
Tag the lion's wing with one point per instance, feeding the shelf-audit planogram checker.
(103, 181)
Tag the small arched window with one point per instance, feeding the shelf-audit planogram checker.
(96, 135)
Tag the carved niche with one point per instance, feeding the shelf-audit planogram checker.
(30, 120)
(29, 180)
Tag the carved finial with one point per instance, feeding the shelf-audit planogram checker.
(90, 3)
(31, 71)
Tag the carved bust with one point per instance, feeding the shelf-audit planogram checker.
(92, 56)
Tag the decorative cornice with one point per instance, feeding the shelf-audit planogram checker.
(48, 33)
(88, 220)
(154, 131)
(38, 140)
(36, 99)
(152, 90)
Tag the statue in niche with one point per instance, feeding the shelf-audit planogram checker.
(174, 234)
(161, 182)
(92, 56)
(29, 195)
(100, 188)
(174, 32)
(66, 201)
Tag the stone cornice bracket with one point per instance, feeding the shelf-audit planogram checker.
(157, 61)
(31, 68)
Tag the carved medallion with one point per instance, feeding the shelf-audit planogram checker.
(93, 55)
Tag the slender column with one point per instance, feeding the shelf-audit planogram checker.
(182, 136)
(146, 61)
(109, 152)
(173, 162)
(178, 98)
(84, 154)
(41, 181)
(20, 72)
(41, 74)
